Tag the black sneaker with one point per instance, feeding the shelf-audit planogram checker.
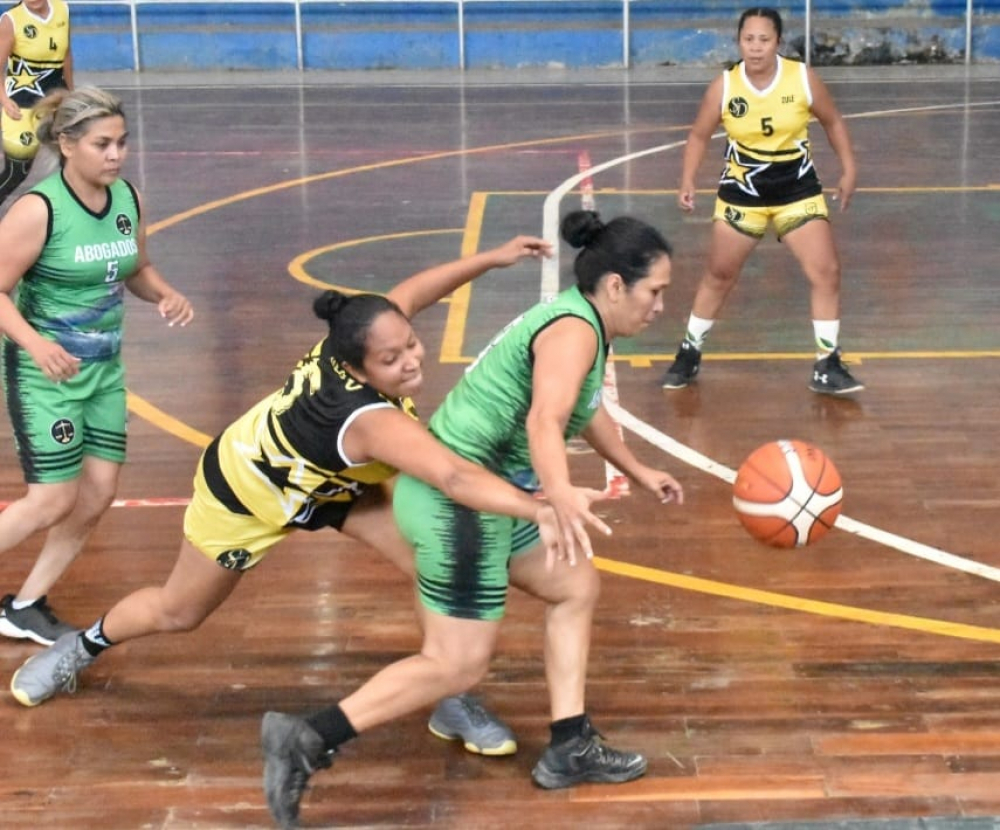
(36, 622)
(830, 376)
(586, 758)
(685, 367)
(293, 751)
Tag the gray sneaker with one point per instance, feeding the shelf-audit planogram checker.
(586, 759)
(293, 751)
(464, 718)
(36, 622)
(52, 671)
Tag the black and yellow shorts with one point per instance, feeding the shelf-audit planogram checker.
(19, 139)
(753, 221)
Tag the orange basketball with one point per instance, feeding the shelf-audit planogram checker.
(787, 494)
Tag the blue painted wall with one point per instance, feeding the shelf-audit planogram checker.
(355, 35)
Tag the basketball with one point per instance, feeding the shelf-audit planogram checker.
(787, 494)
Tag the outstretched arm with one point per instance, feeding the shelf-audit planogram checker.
(602, 434)
(427, 287)
(389, 436)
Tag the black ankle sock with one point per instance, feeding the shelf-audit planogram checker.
(94, 641)
(333, 726)
(567, 728)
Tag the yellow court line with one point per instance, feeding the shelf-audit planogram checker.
(144, 409)
(298, 270)
(245, 195)
(453, 338)
(809, 606)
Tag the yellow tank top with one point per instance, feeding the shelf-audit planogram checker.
(35, 66)
(768, 160)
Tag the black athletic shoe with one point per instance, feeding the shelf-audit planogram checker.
(36, 622)
(293, 751)
(586, 758)
(830, 376)
(685, 367)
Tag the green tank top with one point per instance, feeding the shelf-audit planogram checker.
(74, 293)
(483, 417)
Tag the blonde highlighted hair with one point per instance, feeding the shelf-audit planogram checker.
(69, 113)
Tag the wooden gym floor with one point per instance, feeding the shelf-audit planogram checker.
(852, 684)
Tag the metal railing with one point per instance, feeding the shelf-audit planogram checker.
(807, 12)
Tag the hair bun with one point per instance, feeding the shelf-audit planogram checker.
(328, 304)
(581, 227)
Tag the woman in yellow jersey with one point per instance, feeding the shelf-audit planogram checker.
(36, 55)
(764, 103)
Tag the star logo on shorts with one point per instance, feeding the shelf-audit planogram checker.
(741, 171)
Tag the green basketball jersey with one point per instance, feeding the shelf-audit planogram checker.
(483, 417)
(74, 293)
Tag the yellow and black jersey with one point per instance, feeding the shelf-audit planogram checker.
(284, 460)
(35, 65)
(768, 159)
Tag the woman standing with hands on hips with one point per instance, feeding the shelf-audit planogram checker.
(71, 246)
(764, 103)
(538, 384)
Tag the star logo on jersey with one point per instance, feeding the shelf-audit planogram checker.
(23, 78)
(124, 224)
(741, 171)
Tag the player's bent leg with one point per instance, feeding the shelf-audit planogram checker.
(195, 588)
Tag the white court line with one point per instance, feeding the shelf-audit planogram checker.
(550, 287)
(670, 446)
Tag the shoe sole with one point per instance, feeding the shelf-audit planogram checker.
(679, 384)
(552, 781)
(21, 696)
(8, 629)
(859, 388)
(508, 747)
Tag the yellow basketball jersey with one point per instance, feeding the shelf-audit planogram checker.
(768, 160)
(35, 66)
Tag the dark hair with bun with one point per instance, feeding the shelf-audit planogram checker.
(625, 246)
(350, 316)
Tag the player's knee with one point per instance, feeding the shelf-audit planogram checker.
(586, 586)
(180, 618)
(463, 668)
